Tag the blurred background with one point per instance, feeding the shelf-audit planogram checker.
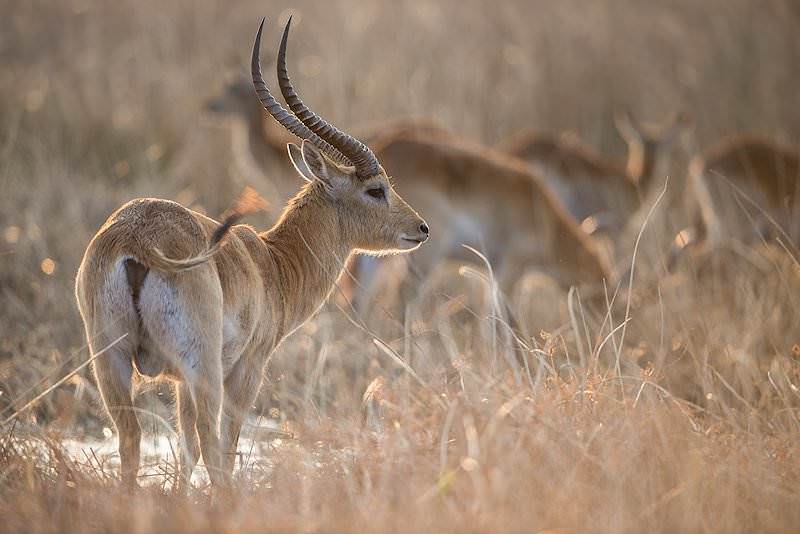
(103, 102)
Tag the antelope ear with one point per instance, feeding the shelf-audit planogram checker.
(315, 161)
(296, 157)
(312, 165)
(323, 169)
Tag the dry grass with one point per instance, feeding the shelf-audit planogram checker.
(697, 429)
(571, 455)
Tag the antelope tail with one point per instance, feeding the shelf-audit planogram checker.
(249, 202)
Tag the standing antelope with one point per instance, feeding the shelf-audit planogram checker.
(211, 320)
(597, 191)
(744, 189)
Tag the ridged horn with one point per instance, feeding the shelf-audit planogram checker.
(363, 159)
(287, 119)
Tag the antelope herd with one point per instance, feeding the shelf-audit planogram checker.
(204, 303)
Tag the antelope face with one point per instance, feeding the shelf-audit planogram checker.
(372, 216)
(388, 223)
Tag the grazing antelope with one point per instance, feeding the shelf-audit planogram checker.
(480, 197)
(207, 313)
(744, 189)
(596, 190)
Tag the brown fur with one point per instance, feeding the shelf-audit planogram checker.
(752, 169)
(589, 184)
(212, 324)
(482, 198)
(597, 190)
(520, 219)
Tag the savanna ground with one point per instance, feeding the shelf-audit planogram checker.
(684, 418)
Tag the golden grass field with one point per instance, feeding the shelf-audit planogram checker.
(685, 418)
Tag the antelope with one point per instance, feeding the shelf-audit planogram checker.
(597, 191)
(742, 190)
(204, 304)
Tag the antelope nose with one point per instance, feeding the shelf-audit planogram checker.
(424, 229)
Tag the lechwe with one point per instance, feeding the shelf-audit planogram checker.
(741, 191)
(211, 320)
(597, 190)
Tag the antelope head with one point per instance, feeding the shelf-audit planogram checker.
(370, 213)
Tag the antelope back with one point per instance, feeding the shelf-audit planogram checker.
(483, 198)
(594, 189)
(747, 188)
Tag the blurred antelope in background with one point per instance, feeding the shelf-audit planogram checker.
(480, 197)
(494, 203)
(743, 190)
(207, 311)
(601, 193)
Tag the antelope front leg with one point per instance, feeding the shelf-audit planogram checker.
(241, 389)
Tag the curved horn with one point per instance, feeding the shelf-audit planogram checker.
(287, 120)
(363, 159)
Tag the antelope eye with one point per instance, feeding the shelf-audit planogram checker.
(377, 192)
